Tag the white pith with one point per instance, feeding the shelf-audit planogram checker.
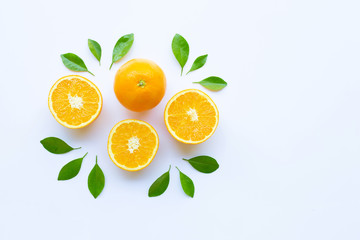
(75, 101)
(192, 114)
(133, 144)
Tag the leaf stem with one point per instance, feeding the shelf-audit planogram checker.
(196, 82)
(177, 168)
(91, 73)
(76, 148)
(84, 155)
(111, 65)
(181, 71)
(185, 159)
(169, 168)
(96, 160)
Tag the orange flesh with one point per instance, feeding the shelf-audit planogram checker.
(71, 88)
(139, 154)
(183, 121)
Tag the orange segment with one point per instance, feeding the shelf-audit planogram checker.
(191, 116)
(132, 144)
(74, 101)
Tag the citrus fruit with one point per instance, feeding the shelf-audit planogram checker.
(191, 116)
(139, 85)
(132, 144)
(74, 101)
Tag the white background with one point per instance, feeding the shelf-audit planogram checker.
(287, 142)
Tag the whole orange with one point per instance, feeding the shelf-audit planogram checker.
(140, 85)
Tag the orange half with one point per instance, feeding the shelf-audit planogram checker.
(132, 144)
(74, 101)
(191, 116)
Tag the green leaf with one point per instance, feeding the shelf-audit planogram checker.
(71, 169)
(95, 49)
(204, 164)
(198, 63)
(74, 62)
(213, 83)
(96, 180)
(181, 49)
(160, 185)
(187, 184)
(56, 145)
(122, 47)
